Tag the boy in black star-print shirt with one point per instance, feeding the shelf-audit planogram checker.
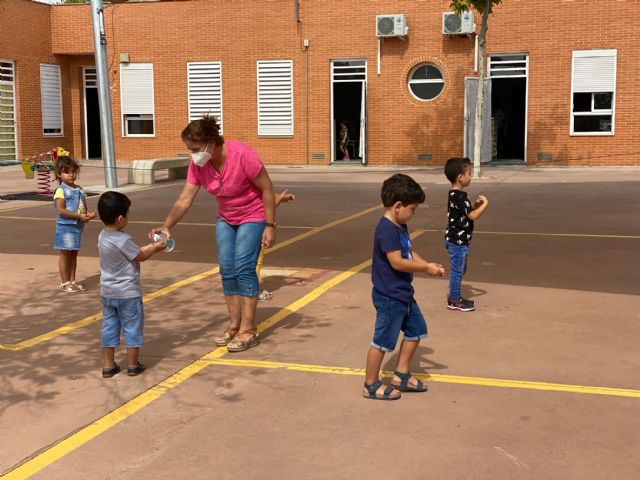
(460, 217)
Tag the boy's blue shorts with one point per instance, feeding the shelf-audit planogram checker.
(393, 316)
(126, 314)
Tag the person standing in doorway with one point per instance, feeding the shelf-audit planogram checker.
(344, 139)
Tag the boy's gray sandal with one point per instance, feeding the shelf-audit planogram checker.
(404, 383)
(373, 388)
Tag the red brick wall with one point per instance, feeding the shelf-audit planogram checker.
(169, 34)
(25, 38)
(550, 35)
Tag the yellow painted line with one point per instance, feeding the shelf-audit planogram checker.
(315, 230)
(579, 235)
(541, 234)
(76, 440)
(144, 222)
(318, 291)
(163, 291)
(72, 442)
(70, 327)
(487, 382)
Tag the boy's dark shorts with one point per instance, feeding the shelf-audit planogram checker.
(393, 316)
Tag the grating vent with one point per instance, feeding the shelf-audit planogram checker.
(452, 23)
(544, 157)
(385, 25)
(391, 25)
(318, 156)
(424, 157)
(462, 24)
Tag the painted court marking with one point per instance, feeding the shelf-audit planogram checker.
(204, 224)
(70, 327)
(76, 440)
(139, 222)
(487, 382)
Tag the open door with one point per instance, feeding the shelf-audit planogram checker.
(92, 133)
(363, 125)
(470, 97)
(348, 111)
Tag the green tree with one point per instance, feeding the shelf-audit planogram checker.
(484, 8)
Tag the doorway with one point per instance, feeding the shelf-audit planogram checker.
(92, 137)
(508, 75)
(348, 111)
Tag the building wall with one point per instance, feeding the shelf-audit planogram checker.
(25, 38)
(238, 33)
(550, 35)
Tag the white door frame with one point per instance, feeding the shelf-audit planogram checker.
(363, 81)
(84, 99)
(12, 83)
(494, 73)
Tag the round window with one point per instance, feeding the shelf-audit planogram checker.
(426, 82)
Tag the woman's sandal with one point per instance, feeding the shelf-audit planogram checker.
(240, 345)
(404, 383)
(69, 287)
(227, 336)
(80, 286)
(371, 392)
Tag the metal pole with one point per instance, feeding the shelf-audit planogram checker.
(104, 95)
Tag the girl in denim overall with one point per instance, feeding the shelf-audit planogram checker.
(71, 207)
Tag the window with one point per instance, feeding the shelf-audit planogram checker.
(51, 100)
(425, 82)
(593, 85)
(275, 98)
(204, 82)
(136, 83)
(136, 125)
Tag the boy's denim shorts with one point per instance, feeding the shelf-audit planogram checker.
(126, 314)
(68, 237)
(393, 316)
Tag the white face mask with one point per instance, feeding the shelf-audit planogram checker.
(201, 158)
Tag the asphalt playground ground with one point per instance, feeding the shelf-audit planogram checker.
(541, 382)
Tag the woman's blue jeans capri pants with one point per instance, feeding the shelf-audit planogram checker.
(238, 249)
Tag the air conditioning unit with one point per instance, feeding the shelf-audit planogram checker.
(391, 26)
(462, 24)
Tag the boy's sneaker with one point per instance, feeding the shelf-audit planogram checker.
(110, 372)
(462, 305)
(137, 370)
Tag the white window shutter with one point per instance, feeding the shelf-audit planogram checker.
(204, 81)
(51, 99)
(275, 98)
(594, 71)
(136, 85)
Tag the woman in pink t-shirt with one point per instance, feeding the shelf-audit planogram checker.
(234, 174)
